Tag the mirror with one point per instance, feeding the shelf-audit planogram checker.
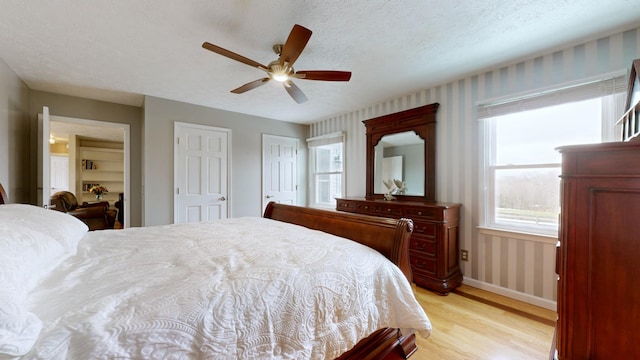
(400, 157)
(402, 146)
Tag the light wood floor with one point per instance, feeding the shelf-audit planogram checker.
(475, 324)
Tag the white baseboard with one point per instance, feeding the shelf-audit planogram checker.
(529, 299)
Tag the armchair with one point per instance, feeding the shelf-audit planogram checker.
(97, 216)
(120, 206)
(3, 196)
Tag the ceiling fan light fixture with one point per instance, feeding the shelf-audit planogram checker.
(279, 72)
(280, 77)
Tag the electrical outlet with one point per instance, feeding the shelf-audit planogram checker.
(464, 255)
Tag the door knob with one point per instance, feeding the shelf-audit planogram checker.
(222, 198)
(269, 196)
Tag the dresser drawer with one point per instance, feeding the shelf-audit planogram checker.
(364, 208)
(425, 229)
(427, 213)
(390, 210)
(349, 206)
(423, 246)
(386, 210)
(422, 263)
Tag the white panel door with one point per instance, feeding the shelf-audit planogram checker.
(279, 169)
(201, 173)
(44, 175)
(59, 173)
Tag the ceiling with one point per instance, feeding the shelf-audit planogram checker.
(119, 51)
(61, 131)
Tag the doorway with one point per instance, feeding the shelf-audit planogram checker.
(106, 145)
(279, 170)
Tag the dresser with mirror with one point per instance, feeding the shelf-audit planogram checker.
(401, 154)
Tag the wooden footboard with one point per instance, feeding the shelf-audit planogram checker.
(384, 344)
(390, 237)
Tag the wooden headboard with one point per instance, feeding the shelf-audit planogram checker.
(3, 196)
(390, 237)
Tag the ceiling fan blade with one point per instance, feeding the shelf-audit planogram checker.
(250, 86)
(231, 55)
(326, 75)
(295, 92)
(297, 40)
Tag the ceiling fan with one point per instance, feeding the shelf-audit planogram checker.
(281, 70)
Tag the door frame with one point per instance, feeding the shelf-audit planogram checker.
(43, 174)
(177, 125)
(264, 202)
(127, 154)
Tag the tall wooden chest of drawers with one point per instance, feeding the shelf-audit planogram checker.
(434, 244)
(597, 259)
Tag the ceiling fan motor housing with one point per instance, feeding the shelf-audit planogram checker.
(277, 48)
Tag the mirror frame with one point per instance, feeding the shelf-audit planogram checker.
(421, 120)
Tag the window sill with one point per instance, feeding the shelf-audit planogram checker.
(541, 238)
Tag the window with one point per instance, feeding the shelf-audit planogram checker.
(521, 165)
(326, 165)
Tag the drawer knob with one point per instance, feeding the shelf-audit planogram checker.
(419, 212)
(388, 210)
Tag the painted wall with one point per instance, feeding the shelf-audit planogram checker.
(20, 106)
(75, 107)
(516, 265)
(14, 135)
(246, 155)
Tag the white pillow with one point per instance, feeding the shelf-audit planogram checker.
(33, 242)
(64, 228)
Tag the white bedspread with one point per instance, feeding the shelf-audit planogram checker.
(243, 288)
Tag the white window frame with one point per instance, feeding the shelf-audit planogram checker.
(312, 144)
(608, 84)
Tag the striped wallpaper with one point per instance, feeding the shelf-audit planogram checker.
(516, 265)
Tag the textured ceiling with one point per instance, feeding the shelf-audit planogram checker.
(61, 131)
(119, 51)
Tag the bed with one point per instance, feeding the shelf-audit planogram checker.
(245, 288)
